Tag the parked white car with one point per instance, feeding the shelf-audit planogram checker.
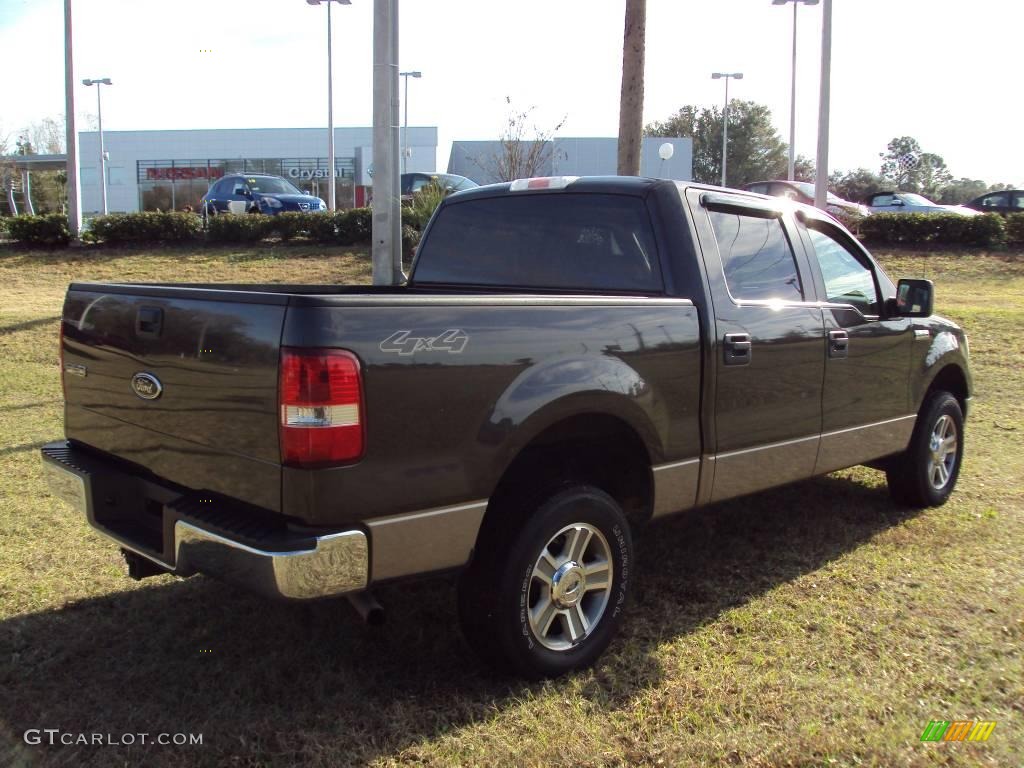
(908, 202)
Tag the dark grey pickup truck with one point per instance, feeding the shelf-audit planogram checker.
(570, 359)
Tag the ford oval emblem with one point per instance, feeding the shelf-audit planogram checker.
(147, 386)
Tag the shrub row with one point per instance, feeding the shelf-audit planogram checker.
(1015, 228)
(987, 230)
(170, 227)
(341, 227)
(48, 229)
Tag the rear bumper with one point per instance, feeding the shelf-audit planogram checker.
(188, 533)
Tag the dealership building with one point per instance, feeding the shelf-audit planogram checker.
(171, 170)
(591, 156)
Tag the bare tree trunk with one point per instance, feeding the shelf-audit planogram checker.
(631, 103)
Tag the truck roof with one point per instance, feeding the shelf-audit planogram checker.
(620, 185)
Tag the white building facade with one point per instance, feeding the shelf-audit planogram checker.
(478, 160)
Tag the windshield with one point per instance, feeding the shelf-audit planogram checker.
(268, 185)
(808, 189)
(915, 199)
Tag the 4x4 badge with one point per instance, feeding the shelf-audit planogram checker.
(451, 341)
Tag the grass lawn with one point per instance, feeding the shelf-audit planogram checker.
(813, 625)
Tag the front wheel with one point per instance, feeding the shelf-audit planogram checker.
(551, 601)
(926, 473)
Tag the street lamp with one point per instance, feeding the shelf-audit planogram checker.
(331, 197)
(103, 155)
(725, 113)
(824, 99)
(792, 95)
(405, 140)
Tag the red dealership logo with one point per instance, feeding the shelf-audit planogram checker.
(172, 174)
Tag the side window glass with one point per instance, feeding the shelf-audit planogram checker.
(757, 257)
(1000, 200)
(847, 280)
(1018, 200)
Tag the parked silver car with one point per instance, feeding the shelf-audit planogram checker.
(909, 202)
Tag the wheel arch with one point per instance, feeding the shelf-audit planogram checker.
(598, 448)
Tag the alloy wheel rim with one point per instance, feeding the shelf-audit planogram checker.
(569, 587)
(942, 447)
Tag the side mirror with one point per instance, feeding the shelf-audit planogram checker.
(241, 191)
(915, 298)
(897, 201)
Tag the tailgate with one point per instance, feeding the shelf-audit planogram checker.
(178, 383)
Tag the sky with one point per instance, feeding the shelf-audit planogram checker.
(942, 72)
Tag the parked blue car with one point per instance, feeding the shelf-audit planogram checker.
(258, 193)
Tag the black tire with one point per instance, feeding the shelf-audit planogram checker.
(499, 589)
(913, 476)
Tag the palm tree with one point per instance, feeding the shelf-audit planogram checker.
(631, 102)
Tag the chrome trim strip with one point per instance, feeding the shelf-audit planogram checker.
(850, 446)
(675, 486)
(663, 467)
(421, 542)
(769, 446)
(868, 425)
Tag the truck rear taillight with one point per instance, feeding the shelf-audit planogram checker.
(321, 396)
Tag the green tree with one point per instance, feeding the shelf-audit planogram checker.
(756, 152)
(908, 168)
(962, 190)
(855, 185)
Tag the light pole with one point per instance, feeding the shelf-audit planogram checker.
(103, 155)
(405, 139)
(71, 135)
(331, 196)
(792, 93)
(821, 162)
(725, 114)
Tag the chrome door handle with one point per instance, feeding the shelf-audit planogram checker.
(737, 349)
(838, 344)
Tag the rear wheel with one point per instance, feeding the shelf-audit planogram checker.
(926, 473)
(551, 600)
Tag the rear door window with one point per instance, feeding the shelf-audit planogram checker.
(756, 256)
(555, 240)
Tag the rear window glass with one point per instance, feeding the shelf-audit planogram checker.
(559, 240)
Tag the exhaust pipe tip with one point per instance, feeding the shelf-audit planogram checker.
(366, 605)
